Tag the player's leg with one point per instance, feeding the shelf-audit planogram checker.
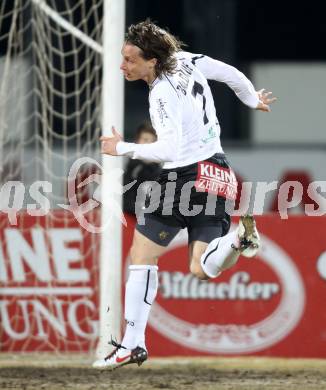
(141, 287)
(149, 243)
(195, 251)
(214, 240)
(208, 260)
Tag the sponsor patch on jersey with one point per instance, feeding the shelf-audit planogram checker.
(216, 180)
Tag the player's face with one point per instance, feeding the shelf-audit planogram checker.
(134, 66)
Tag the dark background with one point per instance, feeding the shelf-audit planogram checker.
(238, 32)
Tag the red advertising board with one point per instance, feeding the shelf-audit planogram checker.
(48, 284)
(272, 305)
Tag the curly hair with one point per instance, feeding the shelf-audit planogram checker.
(155, 42)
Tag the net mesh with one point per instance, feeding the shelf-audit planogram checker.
(50, 102)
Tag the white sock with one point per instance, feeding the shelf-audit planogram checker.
(220, 255)
(141, 289)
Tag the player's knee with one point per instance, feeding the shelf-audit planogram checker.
(140, 257)
(196, 270)
(135, 255)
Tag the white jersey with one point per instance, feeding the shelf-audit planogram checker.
(183, 113)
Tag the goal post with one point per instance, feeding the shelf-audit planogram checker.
(113, 110)
(61, 89)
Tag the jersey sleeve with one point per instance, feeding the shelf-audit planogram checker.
(220, 71)
(166, 117)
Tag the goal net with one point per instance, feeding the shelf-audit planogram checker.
(50, 120)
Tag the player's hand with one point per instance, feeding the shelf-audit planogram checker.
(109, 144)
(265, 99)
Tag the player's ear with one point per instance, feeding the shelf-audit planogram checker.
(153, 62)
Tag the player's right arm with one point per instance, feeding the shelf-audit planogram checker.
(166, 116)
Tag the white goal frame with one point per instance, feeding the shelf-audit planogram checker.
(112, 114)
(110, 309)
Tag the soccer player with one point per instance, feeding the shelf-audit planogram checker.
(195, 171)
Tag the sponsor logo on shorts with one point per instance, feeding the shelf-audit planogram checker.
(216, 180)
(163, 235)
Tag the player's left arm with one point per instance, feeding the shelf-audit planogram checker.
(219, 71)
(265, 100)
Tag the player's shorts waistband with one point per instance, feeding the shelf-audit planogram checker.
(186, 167)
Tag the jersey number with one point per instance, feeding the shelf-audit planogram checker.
(198, 88)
